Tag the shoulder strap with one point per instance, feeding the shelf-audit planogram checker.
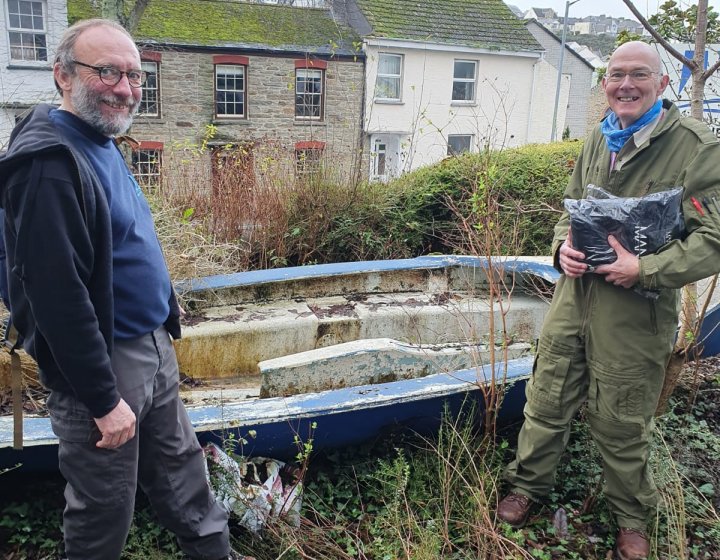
(12, 343)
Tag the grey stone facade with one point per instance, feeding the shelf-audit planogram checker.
(186, 84)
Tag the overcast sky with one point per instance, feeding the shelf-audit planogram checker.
(616, 8)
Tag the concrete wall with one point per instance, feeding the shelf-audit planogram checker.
(580, 82)
(187, 106)
(543, 103)
(597, 106)
(25, 83)
(425, 115)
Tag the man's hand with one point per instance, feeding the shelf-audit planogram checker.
(625, 271)
(570, 259)
(117, 426)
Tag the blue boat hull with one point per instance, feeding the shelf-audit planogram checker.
(336, 418)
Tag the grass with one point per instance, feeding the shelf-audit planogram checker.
(408, 497)
(402, 497)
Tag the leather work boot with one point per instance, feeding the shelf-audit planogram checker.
(514, 509)
(632, 544)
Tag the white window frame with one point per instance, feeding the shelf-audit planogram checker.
(466, 137)
(457, 80)
(318, 96)
(381, 75)
(32, 33)
(231, 70)
(150, 88)
(379, 159)
(147, 164)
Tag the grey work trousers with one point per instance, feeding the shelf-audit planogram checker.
(164, 457)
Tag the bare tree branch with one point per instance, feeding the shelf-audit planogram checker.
(710, 71)
(112, 9)
(659, 38)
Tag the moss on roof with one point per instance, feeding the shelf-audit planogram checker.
(488, 24)
(81, 9)
(234, 23)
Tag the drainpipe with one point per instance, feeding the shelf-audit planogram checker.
(553, 132)
(531, 105)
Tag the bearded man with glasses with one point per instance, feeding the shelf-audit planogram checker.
(91, 296)
(603, 344)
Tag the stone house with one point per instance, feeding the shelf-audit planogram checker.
(31, 32)
(577, 72)
(359, 88)
(444, 77)
(244, 84)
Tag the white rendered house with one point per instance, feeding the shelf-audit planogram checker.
(449, 77)
(30, 34)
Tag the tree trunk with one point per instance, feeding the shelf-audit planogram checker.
(136, 14)
(672, 375)
(698, 72)
(112, 9)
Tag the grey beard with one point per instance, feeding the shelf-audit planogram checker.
(88, 109)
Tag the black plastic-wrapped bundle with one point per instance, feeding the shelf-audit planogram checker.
(641, 224)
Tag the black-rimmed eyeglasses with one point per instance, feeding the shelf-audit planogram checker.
(110, 76)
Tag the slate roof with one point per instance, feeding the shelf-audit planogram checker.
(559, 40)
(228, 23)
(487, 24)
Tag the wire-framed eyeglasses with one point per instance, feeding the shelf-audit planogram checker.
(110, 76)
(635, 75)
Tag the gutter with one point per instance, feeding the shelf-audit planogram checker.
(324, 51)
(445, 47)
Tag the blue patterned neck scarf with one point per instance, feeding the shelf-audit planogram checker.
(616, 136)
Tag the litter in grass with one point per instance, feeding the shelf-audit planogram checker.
(254, 489)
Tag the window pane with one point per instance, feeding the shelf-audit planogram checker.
(146, 165)
(388, 88)
(381, 163)
(230, 90)
(308, 93)
(463, 81)
(389, 64)
(40, 47)
(463, 91)
(149, 104)
(230, 69)
(308, 162)
(27, 46)
(24, 18)
(459, 143)
(388, 82)
(380, 159)
(464, 70)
